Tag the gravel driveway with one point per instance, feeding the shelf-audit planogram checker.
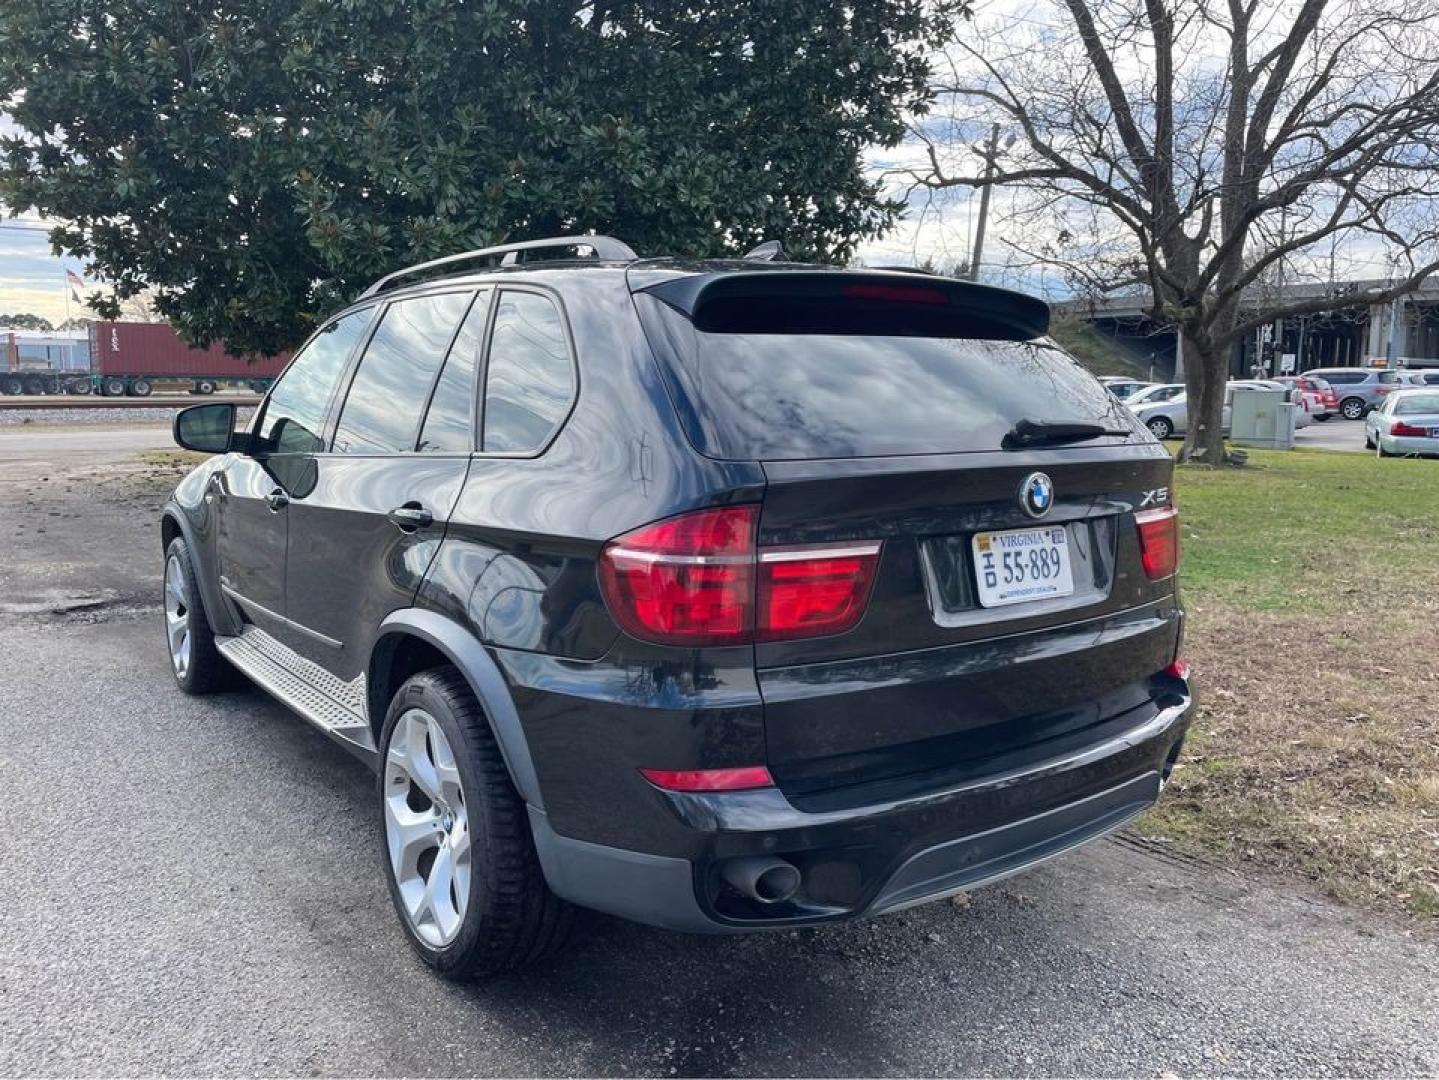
(193, 887)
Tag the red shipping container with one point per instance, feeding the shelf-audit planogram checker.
(155, 350)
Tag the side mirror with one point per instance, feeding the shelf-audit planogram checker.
(209, 429)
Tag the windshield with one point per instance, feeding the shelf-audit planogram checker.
(778, 396)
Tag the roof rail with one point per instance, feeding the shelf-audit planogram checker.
(604, 247)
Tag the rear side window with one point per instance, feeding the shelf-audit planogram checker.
(1344, 378)
(388, 393)
(1388, 377)
(530, 378)
(448, 421)
(778, 396)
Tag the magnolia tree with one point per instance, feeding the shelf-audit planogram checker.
(248, 164)
(1193, 150)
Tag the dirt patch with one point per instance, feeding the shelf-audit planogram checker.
(1316, 751)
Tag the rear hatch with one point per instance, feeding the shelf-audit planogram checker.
(1010, 613)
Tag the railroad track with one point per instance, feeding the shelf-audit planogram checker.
(95, 401)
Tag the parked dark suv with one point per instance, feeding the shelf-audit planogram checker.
(721, 596)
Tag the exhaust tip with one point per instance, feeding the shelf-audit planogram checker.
(764, 879)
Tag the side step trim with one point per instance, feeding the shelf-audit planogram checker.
(334, 706)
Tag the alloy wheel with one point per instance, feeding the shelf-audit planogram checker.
(427, 828)
(177, 615)
(1352, 409)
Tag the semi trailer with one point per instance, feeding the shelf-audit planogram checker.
(132, 359)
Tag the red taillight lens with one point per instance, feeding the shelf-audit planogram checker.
(751, 776)
(1180, 669)
(1399, 427)
(805, 592)
(1158, 541)
(685, 581)
(699, 579)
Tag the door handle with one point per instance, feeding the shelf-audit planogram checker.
(410, 517)
(277, 500)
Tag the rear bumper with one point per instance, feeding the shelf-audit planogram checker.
(1409, 444)
(877, 858)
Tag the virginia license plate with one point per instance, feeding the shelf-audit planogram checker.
(1019, 565)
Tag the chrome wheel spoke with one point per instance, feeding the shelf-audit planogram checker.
(177, 615)
(427, 828)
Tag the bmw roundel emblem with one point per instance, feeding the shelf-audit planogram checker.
(1036, 494)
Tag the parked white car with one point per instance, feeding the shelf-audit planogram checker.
(1406, 423)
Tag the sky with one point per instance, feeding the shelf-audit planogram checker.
(938, 230)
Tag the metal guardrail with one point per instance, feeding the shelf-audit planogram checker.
(95, 401)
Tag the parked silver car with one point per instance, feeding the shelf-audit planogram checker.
(1406, 423)
(1151, 395)
(1121, 387)
(1166, 419)
(1359, 389)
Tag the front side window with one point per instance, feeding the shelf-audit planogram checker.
(294, 418)
(382, 411)
(531, 379)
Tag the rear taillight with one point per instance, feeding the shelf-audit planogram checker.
(805, 592)
(685, 581)
(701, 579)
(1399, 427)
(1180, 669)
(1158, 541)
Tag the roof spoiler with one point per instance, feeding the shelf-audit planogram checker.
(852, 302)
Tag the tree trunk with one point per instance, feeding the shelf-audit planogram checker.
(1206, 380)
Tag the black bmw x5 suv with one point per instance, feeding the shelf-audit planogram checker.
(721, 596)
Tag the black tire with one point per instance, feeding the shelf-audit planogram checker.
(140, 388)
(113, 387)
(80, 387)
(1323, 417)
(207, 671)
(1352, 408)
(1368, 442)
(204, 386)
(13, 386)
(1161, 426)
(511, 918)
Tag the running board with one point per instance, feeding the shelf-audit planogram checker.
(334, 706)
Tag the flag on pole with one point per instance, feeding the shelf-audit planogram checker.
(76, 296)
(74, 279)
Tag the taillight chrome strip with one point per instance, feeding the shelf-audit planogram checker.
(800, 552)
(617, 551)
(1144, 517)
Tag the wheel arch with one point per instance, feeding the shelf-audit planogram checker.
(413, 636)
(173, 523)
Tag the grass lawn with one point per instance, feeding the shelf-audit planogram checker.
(1311, 580)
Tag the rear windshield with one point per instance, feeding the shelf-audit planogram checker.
(785, 396)
(1414, 404)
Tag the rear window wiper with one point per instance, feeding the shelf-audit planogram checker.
(1028, 433)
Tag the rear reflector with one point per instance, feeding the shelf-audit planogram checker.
(700, 579)
(743, 779)
(1158, 541)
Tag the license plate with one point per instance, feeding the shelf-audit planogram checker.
(1020, 565)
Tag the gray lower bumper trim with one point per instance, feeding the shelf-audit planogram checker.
(653, 889)
(988, 856)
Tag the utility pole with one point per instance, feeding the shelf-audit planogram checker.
(991, 151)
(1391, 351)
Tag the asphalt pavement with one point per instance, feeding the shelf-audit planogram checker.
(1336, 433)
(193, 886)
